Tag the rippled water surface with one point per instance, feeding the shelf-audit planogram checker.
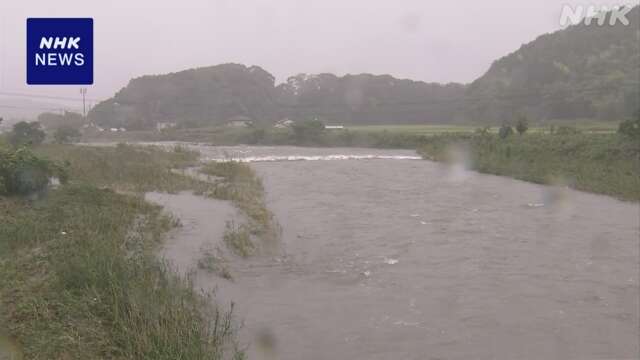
(385, 257)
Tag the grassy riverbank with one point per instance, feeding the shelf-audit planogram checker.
(374, 136)
(226, 136)
(603, 164)
(588, 156)
(125, 167)
(78, 277)
(239, 183)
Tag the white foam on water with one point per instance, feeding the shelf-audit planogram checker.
(272, 158)
(390, 261)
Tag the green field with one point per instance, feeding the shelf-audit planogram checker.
(597, 163)
(587, 126)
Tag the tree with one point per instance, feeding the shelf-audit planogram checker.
(66, 134)
(26, 134)
(308, 131)
(522, 125)
(505, 131)
(631, 127)
(53, 121)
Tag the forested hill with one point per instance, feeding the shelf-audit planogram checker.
(217, 94)
(191, 98)
(584, 71)
(368, 99)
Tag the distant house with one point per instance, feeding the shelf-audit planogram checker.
(239, 121)
(91, 127)
(284, 123)
(165, 125)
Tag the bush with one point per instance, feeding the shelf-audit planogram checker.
(24, 173)
(26, 134)
(309, 131)
(66, 134)
(505, 131)
(523, 124)
(631, 127)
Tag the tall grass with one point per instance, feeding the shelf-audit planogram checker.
(604, 164)
(238, 183)
(125, 167)
(78, 276)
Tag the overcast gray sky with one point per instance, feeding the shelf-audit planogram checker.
(433, 41)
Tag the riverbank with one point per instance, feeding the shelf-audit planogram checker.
(602, 164)
(585, 158)
(79, 278)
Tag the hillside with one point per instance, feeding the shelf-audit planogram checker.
(582, 72)
(214, 95)
(191, 98)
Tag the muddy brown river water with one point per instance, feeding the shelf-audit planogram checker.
(387, 257)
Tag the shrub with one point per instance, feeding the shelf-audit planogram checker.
(631, 127)
(24, 173)
(309, 131)
(522, 125)
(505, 131)
(66, 134)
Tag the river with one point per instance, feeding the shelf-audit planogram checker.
(386, 257)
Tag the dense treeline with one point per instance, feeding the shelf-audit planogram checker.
(368, 99)
(584, 71)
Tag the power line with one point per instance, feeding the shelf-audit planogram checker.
(34, 108)
(49, 97)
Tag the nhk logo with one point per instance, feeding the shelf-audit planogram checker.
(595, 14)
(59, 51)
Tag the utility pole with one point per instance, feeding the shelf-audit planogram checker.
(83, 91)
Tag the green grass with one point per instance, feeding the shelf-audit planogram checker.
(603, 164)
(414, 129)
(588, 126)
(215, 263)
(373, 136)
(238, 239)
(82, 282)
(238, 183)
(78, 274)
(125, 167)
